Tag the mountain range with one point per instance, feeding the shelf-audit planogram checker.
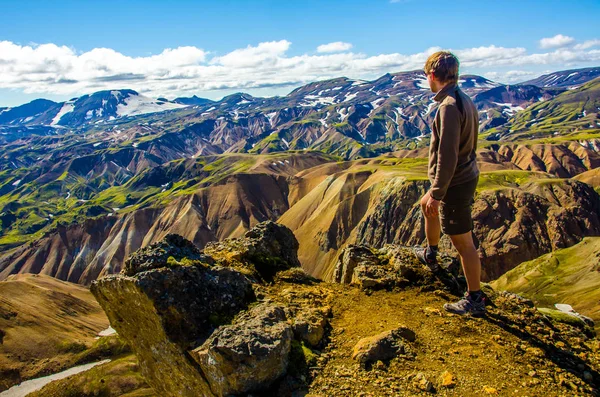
(86, 182)
(342, 116)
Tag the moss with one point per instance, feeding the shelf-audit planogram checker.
(105, 347)
(340, 125)
(561, 317)
(63, 176)
(218, 319)
(301, 359)
(116, 378)
(505, 178)
(69, 346)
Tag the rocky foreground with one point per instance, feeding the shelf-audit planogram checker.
(242, 318)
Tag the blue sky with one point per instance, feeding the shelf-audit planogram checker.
(385, 36)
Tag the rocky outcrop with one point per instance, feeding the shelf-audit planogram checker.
(513, 226)
(351, 257)
(217, 329)
(162, 312)
(186, 314)
(265, 249)
(248, 354)
(393, 267)
(383, 346)
(163, 254)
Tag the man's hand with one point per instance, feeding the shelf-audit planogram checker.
(432, 207)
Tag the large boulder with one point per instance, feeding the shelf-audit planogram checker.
(351, 257)
(249, 354)
(310, 325)
(163, 254)
(383, 346)
(175, 304)
(164, 312)
(265, 249)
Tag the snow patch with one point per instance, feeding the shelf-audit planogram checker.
(286, 143)
(16, 183)
(138, 104)
(67, 107)
(343, 112)
(349, 97)
(29, 386)
(429, 107)
(510, 109)
(316, 100)
(271, 116)
(422, 83)
(375, 104)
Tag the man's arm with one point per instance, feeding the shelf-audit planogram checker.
(447, 150)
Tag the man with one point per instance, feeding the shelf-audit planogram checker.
(453, 174)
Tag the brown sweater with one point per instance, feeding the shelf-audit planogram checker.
(453, 142)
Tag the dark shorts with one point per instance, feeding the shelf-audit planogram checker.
(455, 209)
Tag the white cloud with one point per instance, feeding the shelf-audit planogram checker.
(250, 56)
(337, 46)
(183, 71)
(556, 42)
(587, 44)
(512, 76)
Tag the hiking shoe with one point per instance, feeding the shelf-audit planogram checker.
(431, 265)
(467, 305)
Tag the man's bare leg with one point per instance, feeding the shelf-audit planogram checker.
(469, 258)
(433, 228)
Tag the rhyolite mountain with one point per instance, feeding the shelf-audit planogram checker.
(75, 202)
(82, 221)
(351, 118)
(566, 78)
(88, 109)
(575, 110)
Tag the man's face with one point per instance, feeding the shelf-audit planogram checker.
(433, 86)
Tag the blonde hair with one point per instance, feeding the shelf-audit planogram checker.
(444, 65)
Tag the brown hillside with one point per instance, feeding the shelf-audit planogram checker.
(329, 204)
(44, 322)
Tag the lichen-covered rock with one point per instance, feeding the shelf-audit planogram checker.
(161, 313)
(157, 255)
(395, 266)
(248, 354)
(266, 248)
(384, 346)
(351, 257)
(296, 275)
(310, 326)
